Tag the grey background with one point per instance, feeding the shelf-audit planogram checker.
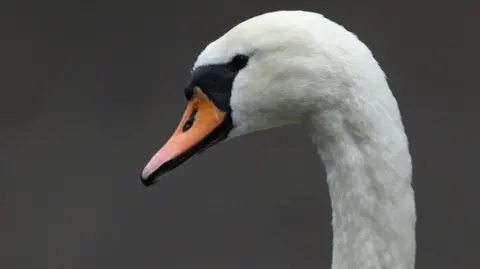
(90, 90)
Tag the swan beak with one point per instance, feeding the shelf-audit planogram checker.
(203, 124)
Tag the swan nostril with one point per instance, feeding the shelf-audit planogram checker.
(188, 124)
(191, 119)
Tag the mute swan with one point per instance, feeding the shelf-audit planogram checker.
(289, 67)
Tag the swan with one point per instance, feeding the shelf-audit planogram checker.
(298, 67)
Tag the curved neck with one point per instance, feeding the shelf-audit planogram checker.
(368, 169)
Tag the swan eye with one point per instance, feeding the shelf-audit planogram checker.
(188, 124)
(238, 62)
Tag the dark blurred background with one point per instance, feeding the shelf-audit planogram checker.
(90, 90)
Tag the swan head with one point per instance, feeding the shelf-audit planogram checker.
(268, 71)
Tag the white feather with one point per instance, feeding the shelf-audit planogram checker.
(307, 69)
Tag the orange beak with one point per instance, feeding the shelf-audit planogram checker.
(201, 126)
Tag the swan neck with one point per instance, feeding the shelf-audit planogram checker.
(368, 169)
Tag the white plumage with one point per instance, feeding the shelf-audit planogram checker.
(307, 69)
(302, 68)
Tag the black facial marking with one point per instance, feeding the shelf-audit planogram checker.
(238, 62)
(191, 119)
(216, 80)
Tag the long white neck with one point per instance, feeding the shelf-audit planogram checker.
(365, 152)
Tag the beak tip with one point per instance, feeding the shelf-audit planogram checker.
(147, 179)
